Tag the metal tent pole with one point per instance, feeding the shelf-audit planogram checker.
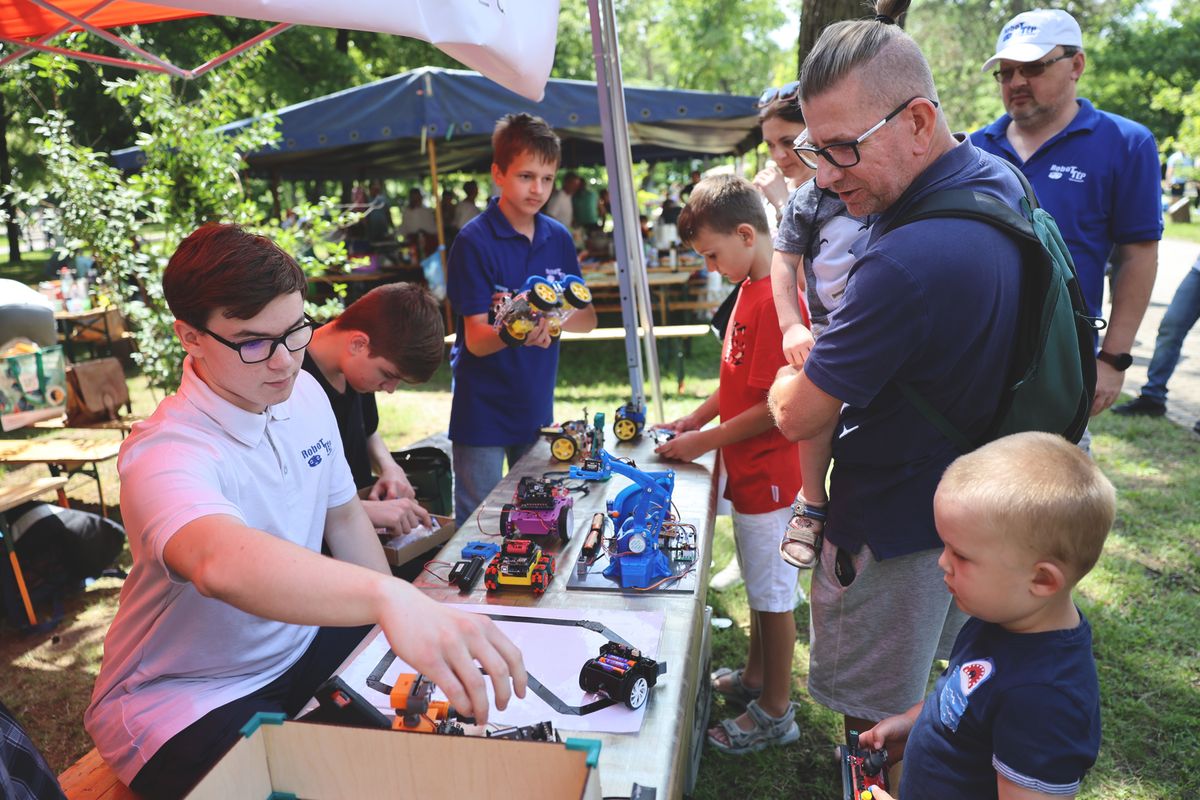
(631, 267)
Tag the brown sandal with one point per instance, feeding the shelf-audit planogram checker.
(801, 545)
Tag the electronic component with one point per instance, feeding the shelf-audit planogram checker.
(465, 574)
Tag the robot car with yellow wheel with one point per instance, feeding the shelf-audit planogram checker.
(569, 439)
(539, 298)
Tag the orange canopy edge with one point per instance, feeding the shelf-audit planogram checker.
(22, 19)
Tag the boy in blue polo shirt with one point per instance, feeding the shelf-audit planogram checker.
(503, 395)
(1017, 712)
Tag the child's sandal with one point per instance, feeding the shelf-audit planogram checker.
(767, 731)
(738, 693)
(801, 543)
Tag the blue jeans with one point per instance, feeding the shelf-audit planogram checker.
(477, 470)
(1176, 323)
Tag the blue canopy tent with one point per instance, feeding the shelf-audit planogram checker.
(384, 128)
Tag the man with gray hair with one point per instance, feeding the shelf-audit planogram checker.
(1095, 172)
(933, 304)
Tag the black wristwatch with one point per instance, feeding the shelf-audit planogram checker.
(1118, 361)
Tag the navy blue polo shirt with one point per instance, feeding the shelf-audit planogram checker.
(1099, 179)
(502, 399)
(1022, 705)
(932, 303)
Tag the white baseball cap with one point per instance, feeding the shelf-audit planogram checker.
(1029, 36)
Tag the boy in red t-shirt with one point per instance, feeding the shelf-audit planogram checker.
(724, 222)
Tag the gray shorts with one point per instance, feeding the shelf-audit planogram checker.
(873, 642)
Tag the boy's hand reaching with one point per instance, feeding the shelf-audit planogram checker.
(392, 484)
(445, 644)
(797, 344)
(686, 446)
(891, 733)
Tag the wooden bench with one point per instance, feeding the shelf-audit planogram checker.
(90, 778)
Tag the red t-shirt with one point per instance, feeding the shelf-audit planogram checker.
(764, 470)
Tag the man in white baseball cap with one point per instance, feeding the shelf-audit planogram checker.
(1097, 173)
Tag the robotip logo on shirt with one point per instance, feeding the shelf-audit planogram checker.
(1071, 173)
(314, 451)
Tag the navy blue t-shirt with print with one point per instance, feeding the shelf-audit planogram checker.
(933, 303)
(1022, 705)
(505, 398)
(1099, 179)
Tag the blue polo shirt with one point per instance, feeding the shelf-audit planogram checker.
(502, 399)
(1099, 179)
(933, 303)
(1022, 705)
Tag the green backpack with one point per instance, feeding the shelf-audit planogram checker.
(1051, 380)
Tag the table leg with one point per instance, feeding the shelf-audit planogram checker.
(18, 576)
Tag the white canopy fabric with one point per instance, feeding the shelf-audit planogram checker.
(511, 43)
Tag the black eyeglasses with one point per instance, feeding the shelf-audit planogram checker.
(844, 155)
(1027, 70)
(789, 91)
(256, 351)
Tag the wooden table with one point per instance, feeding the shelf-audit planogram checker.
(95, 326)
(665, 754)
(62, 455)
(660, 283)
(11, 497)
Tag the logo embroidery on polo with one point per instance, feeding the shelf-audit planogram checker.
(1073, 174)
(314, 451)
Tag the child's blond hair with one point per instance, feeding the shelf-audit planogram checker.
(1040, 492)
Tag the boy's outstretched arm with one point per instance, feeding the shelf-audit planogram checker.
(693, 444)
(787, 281)
(891, 733)
(266, 576)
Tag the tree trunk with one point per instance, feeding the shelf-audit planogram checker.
(342, 42)
(816, 15)
(14, 232)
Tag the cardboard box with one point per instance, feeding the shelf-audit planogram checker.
(33, 387)
(402, 549)
(330, 762)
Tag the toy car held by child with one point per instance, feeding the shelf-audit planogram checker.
(861, 769)
(520, 563)
(539, 298)
(621, 673)
(539, 508)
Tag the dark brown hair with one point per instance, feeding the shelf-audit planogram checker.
(223, 267)
(720, 204)
(524, 133)
(786, 110)
(405, 326)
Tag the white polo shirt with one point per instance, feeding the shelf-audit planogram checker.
(172, 655)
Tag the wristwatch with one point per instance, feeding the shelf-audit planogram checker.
(1118, 361)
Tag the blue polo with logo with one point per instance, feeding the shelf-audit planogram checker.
(1099, 179)
(1022, 705)
(932, 303)
(502, 399)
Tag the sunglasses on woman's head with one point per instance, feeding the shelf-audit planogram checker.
(789, 91)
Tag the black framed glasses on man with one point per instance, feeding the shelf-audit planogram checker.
(844, 155)
(1031, 70)
(256, 351)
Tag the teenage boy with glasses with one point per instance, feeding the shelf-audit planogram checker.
(227, 492)
(1095, 172)
(933, 304)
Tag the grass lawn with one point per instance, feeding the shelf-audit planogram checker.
(1143, 600)
(1188, 231)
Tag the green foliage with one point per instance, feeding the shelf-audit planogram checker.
(132, 224)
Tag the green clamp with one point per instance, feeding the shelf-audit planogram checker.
(262, 718)
(589, 746)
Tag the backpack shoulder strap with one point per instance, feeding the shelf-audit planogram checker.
(966, 204)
